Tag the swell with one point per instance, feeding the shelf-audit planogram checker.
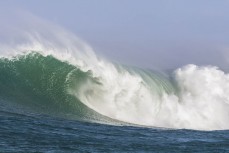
(37, 83)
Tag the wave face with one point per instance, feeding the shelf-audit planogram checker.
(195, 97)
(41, 83)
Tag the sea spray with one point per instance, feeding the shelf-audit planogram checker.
(130, 95)
(191, 97)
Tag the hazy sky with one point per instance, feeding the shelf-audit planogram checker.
(146, 33)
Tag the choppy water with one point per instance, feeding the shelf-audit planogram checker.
(39, 133)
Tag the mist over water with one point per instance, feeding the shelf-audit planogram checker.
(191, 97)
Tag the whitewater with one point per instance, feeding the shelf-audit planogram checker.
(56, 66)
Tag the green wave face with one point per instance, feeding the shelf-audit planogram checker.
(41, 83)
(47, 85)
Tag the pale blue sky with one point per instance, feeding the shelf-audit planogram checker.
(146, 33)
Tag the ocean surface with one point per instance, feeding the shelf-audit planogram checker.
(39, 133)
(50, 104)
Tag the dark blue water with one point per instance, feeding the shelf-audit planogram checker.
(40, 133)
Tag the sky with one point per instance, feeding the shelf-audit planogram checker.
(147, 33)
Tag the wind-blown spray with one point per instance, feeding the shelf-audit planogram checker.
(192, 97)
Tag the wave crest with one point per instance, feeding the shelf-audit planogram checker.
(197, 100)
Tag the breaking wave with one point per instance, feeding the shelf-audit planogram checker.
(54, 72)
(195, 97)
